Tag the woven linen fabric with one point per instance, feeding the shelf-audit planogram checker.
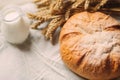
(35, 59)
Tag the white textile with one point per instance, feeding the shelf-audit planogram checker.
(36, 59)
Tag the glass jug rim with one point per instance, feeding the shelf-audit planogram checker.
(6, 10)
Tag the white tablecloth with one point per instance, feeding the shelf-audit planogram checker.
(36, 59)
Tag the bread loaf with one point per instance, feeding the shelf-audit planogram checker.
(90, 45)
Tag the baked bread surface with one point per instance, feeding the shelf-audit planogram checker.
(90, 45)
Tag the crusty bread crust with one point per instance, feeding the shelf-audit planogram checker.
(90, 45)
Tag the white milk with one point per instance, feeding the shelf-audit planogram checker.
(14, 27)
(11, 16)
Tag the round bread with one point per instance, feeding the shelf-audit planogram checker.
(90, 45)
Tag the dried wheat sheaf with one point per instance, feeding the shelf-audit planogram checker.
(57, 12)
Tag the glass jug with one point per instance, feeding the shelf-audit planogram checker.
(14, 25)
